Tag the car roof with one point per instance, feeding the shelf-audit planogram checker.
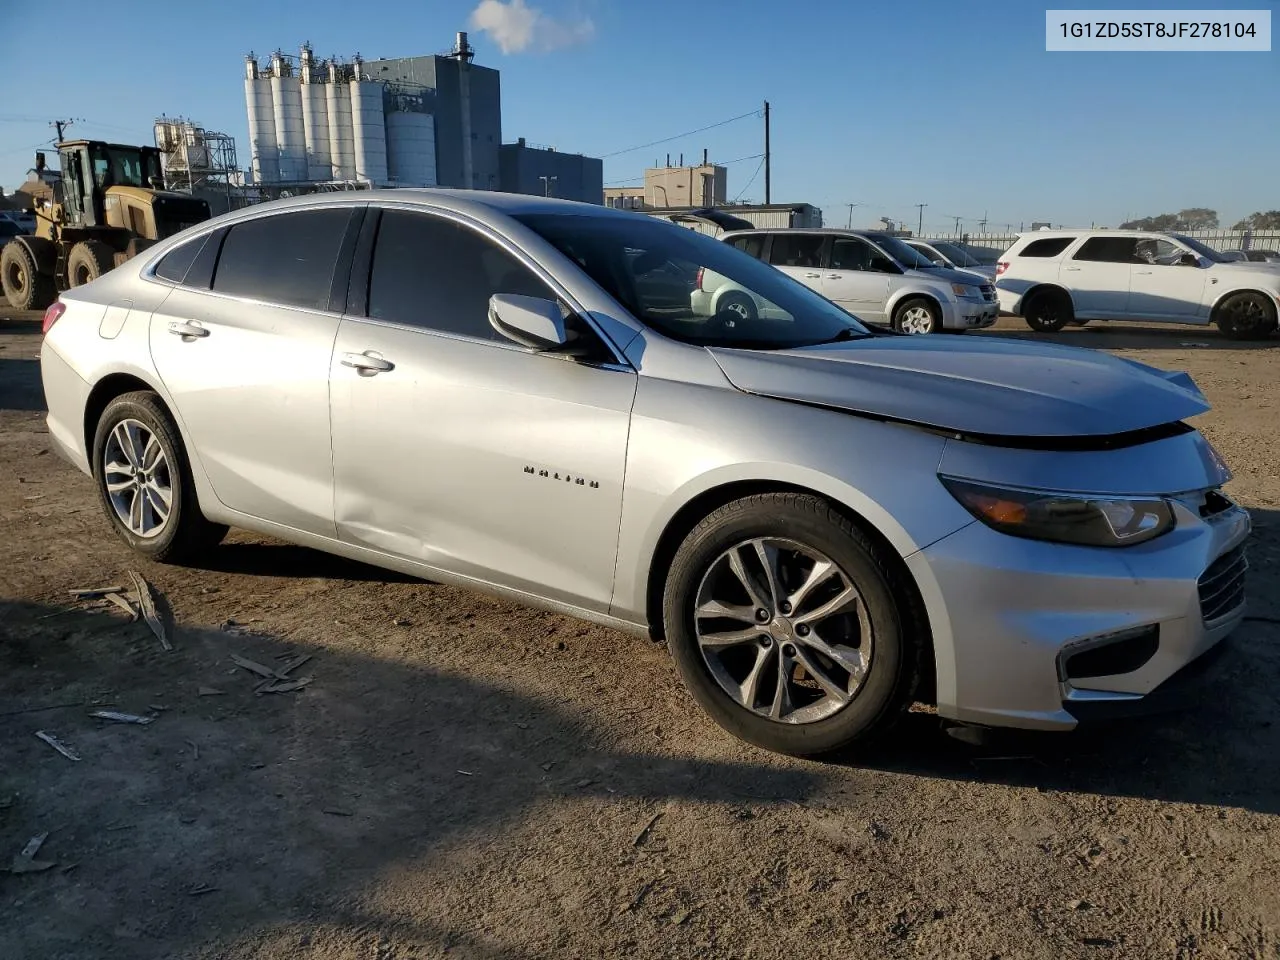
(826, 231)
(1095, 232)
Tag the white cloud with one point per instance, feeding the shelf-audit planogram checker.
(515, 27)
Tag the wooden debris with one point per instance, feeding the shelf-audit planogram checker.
(199, 888)
(643, 835)
(117, 717)
(95, 593)
(147, 604)
(254, 667)
(336, 812)
(208, 692)
(122, 602)
(67, 751)
(287, 686)
(26, 862)
(293, 665)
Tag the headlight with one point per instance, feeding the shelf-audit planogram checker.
(964, 290)
(1063, 517)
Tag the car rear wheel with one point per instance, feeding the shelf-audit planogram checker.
(917, 316)
(1049, 311)
(788, 626)
(1246, 316)
(144, 481)
(737, 303)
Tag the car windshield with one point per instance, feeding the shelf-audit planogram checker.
(692, 288)
(957, 255)
(906, 255)
(1207, 252)
(983, 255)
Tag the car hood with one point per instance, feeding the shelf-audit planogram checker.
(983, 386)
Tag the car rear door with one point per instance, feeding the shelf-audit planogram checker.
(854, 278)
(243, 346)
(457, 448)
(1098, 274)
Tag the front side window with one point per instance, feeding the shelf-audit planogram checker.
(796, 250)
(286, 258)
(773, 311)
(435, 273)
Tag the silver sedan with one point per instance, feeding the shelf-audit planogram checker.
(824, 523)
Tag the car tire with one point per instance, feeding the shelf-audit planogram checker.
(88, 260)
(917, 316)
(25, 287)
(738, 303)
(1246, 316)
(1049, 311)
(132, 498)
(890, 640)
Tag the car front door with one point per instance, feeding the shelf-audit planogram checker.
(457, 448)
(247, 361)
(856, 278)
(1098, 274)
(1165, 287)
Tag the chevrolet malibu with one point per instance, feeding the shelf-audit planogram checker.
(824, 523)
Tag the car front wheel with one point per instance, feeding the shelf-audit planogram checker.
(1246, 316)
(144, 481)
(788, 626)
(917, 316)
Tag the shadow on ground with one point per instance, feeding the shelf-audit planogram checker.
(1128, 335)
(20, 386)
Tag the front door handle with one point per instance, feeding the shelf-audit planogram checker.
(1143, 273)
(366, 364)
(813, 276)
(1072, 269)
(833, 276)
(187, 329)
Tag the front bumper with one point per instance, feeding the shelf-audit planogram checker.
(1007, 612)
(970, 314)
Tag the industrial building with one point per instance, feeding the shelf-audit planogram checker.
(199, 162)
(703, 185)
(764, 216)
(545, 171)
(413, 122)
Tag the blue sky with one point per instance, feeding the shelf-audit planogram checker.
(956, 105)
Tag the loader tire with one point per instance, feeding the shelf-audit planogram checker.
(89, 260)
(25, 287)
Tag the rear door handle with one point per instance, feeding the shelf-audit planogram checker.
(1072, 269)
(813, 275)
(367, 364)
(1143, 273)
(187, 328)
(833, 276)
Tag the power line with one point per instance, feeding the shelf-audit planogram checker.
(751, 181)
(679, 136)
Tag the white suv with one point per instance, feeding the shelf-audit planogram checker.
(874, 276)
(1059, 277)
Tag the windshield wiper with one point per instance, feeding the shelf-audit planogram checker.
(848, 333)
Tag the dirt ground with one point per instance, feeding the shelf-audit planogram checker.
(465, 777)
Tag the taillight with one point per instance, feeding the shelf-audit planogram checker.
(57, 309)
(1001, 267)
(697, 283)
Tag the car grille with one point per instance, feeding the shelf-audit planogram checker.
(988, 292)
(1222, 585)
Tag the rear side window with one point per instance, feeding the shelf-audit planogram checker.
(1048, 247)
(287, 258)
(796, 250)
(175, 264)
(752, 244)
(1109, 250)
(431, 272)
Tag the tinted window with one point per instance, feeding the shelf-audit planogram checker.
(796, 250)
(752, 244)
(1048, 247)
(287, 258)
(175, 264)
(849, 253)
(1109, 250)
(772, 310)
(434, 273)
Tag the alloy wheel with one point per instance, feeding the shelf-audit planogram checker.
(138, 480)
(916, 320)
(783, 630)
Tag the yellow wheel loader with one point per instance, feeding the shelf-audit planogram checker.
(108, 206)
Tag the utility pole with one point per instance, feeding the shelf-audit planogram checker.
(983, 222)
(849, 226)
(957, 227)
(767, 158)
(546, 184)
(60, 125)
(920, 222)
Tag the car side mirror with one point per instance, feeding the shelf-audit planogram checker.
(533, 322)
(1188, 260)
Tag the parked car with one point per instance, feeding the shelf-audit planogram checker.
(874, 276)
(822, 521)
(944, 254)
(9, 229)
(1253, 256)
(1053, 278)
(24, 219)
